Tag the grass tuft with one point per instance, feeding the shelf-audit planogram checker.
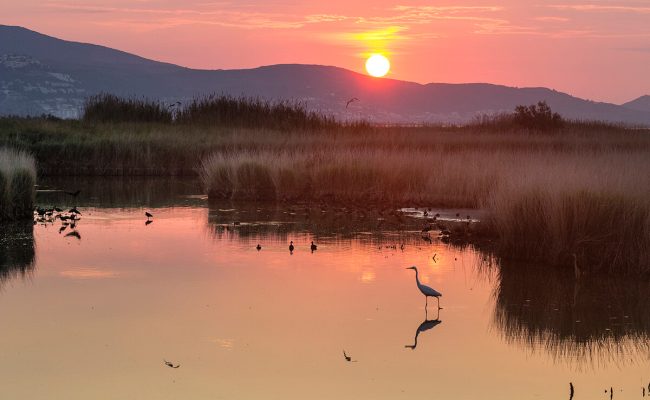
(17, 180)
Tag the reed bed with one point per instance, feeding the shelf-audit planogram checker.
(544, 205)
(17, 180)
(105, 107)
(581, 188)
(231, 111)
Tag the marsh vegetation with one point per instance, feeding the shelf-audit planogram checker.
(552, 187)
(17, 180)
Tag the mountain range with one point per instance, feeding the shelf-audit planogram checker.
(40, 74)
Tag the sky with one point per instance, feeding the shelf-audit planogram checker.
(599, 50)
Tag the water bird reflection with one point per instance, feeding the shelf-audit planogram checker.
(73, 234)
(424, 326)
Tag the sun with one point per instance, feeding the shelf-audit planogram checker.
(377, 65)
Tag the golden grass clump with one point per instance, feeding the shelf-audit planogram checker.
(594, 205)
(17, 180)
(543, 205)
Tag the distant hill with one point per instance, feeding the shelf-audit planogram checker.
(41, 74)
(640, 104)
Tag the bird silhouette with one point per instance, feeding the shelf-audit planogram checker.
(258, 247)
(148, 214)
(171, 365)
(348, 358)
(147, 222)
(74, 210)
(424, 326)
(291, 247)
(352, 100)
(61, 229)
(426, 290)
(313, 247)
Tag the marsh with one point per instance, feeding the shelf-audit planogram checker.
(96, 317)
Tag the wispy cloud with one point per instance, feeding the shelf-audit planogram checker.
(602, 8)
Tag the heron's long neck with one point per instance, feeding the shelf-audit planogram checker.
(416, 277)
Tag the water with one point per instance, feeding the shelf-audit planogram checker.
(95, 317)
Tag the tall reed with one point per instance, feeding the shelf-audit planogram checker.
(543, 205)
(17, 180)
(106, 107)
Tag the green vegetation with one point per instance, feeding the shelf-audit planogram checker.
(245, 112)
(576, 188)
(110, 108)
(17, 180)
(222, 110)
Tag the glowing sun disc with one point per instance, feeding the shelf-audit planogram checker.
(377, 65)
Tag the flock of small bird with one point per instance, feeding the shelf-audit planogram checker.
(68, 218)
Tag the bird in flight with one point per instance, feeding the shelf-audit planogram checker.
(352, 100)
(170, 365)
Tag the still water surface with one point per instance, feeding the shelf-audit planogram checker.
(94, 317)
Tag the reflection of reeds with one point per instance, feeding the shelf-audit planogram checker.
(280, 222)
(594, 320)
(120, 192)
(16, 250)
(17, 180)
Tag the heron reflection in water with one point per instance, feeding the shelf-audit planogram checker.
(424, 326)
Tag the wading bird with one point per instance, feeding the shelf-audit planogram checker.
(426, 290)
(291, 247)
(170, 365)
(148, 214)
(258, 247)
(313, 247)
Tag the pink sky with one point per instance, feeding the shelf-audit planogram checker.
(598, 50)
